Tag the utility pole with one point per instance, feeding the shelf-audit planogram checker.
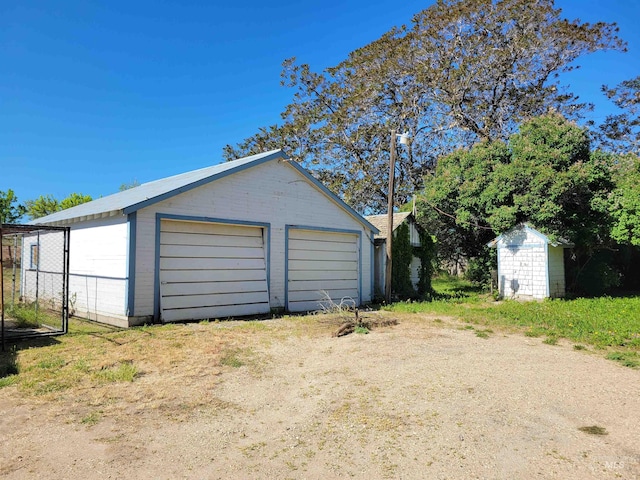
(390, 195)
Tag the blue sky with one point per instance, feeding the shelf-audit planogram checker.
(96, 94)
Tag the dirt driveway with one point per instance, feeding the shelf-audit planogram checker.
(422, 399)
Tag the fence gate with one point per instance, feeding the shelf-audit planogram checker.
(34, 283)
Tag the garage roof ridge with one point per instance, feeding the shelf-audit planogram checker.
(132, 200)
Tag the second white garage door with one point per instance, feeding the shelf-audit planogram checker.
(211, 270)
(319, 265)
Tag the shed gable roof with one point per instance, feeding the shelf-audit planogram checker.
(559, 242)
(134, 199)
(381, 222)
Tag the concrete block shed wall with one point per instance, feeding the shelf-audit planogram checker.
(273, 193)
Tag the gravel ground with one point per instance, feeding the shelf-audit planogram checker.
(415, 400)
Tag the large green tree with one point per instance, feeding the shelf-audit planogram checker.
(462, 72)
(47, 204)
(545, 174)
(621, 132)
(624, 206)
(10, 210)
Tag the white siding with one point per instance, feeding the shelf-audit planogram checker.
(98, 268)
(274, 193)
(414, 235)
(42, 267)
(556, 272)
(522, 265)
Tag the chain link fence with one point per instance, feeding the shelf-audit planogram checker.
(34, 281)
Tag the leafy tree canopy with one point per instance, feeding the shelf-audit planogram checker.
(624, 206)
(464, 71)
(621, 132)
(129, 185)
(47, 204)
(42, 206)
(10, 210)
(545, 174)
(73, 200)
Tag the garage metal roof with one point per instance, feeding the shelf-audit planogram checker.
(129, 201)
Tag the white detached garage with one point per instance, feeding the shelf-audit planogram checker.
(239, 238)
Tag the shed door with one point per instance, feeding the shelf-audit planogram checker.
(321, 265)
(211, 270)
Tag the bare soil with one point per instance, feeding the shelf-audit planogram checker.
(421, 399)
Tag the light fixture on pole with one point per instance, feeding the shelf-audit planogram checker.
(404, 140)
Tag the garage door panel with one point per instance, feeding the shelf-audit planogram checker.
(322, 255)
(320, 295)
(210, 270)
(321, 265)
(170, 238)
(208, 228)
(213, 300)
(195, 276)
(202, 288)
(322, 246)
(317, 235)
(319, 305)
(316, 285)
(298, 275)
(211, 263)
(200, 313)
(200, 251)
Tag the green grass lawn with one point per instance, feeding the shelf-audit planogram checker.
(603, 322)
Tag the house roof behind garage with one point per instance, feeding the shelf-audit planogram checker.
(381, 222)
(129, 201)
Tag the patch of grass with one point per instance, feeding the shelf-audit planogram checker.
(25, 315)
(627, 359)
(594, 430)
(252, 326)
(602, 322)
(50, 362)
(361, 330)
(91, 419)
(231, 359)
(534, 332)
(483, 333)
(8, 380)
(551, 340)
(579, 347)
(82, 365)
(121, 372)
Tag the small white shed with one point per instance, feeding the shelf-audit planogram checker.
(530, 264)
(238, 238)
(380, 256)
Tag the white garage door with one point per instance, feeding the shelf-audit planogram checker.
(211, 270)
(321, 265)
